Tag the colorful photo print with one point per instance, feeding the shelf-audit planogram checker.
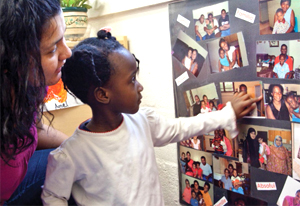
(195, 192)
(227, 53)
(290, 194)
(282, 102)
(232, 198)
(211, 21)
(296, 150)
(202, 99)
(189, 53)
(279, 16)
(278, 59)
(231, 175)
(253, 88)
(195, 163)
(267, 148)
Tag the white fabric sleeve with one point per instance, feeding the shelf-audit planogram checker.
(59, 179)
(165, 131)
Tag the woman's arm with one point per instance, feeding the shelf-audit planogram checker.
(288, 161)
(292, 23)
(48, 137)
(269, 113)
(232, 63)
(195, 69)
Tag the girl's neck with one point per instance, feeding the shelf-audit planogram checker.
(104, 122)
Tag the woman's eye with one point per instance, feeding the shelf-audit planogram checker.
(54, 50)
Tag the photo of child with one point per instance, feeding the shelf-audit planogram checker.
(281, 25)
(264, 150)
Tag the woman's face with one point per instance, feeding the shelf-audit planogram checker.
(285, 6)
(54, 50)
(189, 53)
(234, 173)
(195, 137)
(182, 156)
(196, 185)
(278, 141)
(224, 45)
(188, 156)
(221, 132)
(201, 19)
(216, 133)
(252, 135)
(277, 95)
(194, 55)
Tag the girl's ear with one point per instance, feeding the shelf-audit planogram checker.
(101, 96)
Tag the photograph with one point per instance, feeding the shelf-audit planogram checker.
(290, 194)
(189, 53)
(227, 53)
(277, 59)
(267, 148)
(202, 99)
(197, 164)
(211, 21)
(296, 150)
(232, 175)
(279, 16)
(195, 192)
(282, 102)
(253, 88)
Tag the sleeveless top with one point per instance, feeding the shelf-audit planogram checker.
(224, 61)
(230, 52)
(287, 16)
(282, 114)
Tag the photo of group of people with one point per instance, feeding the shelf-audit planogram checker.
(266, 148)
(197, 164)
(196, 193)
(232, 175)
(248, 47)
(211, 21)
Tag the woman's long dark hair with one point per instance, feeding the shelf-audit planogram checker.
(22, 23)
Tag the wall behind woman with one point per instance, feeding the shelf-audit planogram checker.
(148, 34)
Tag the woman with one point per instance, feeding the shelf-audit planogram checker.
(228, 151)
(196, 188)
(279, 160)
(288, 13)
(189, 164)
(230, 53)
(251, 147)
(196, 143)
(33, 50)
(292, 201)
(277, 107)
(194, 64)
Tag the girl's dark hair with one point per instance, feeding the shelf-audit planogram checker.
(89, 65)
(282, 1)
(221, 41)
(271, 88)
(22, 23)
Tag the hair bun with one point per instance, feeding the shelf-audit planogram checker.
(104, 34)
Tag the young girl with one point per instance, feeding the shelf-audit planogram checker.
(223, 61)
(110, 159)
(264, 150)
(204, 107)
(216, 143)
(196, 143)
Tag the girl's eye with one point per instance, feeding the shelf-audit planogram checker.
(133, 79)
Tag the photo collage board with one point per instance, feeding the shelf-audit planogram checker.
(220, 48)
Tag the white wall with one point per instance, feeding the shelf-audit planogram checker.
(147, 30)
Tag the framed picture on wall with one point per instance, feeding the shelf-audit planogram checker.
(274, 43)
